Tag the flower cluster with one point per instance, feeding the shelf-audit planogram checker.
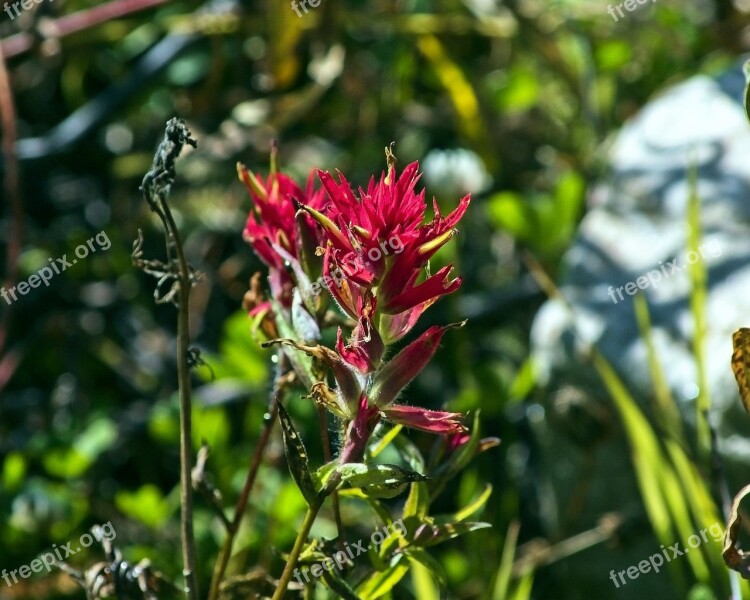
(383, 292)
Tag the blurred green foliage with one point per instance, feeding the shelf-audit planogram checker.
(88, 419)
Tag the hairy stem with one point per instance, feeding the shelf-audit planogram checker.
(323, 423)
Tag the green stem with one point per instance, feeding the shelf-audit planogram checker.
(299, 543)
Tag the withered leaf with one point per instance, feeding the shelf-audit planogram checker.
(735, 558)
(741, 363)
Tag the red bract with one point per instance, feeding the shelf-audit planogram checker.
(380, 243)
(432, 421)
(271, 222)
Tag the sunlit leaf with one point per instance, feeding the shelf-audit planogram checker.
(296, 456)
(382, 582)
(429, 535)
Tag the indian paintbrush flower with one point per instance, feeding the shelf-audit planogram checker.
(357, 229)
(376, 248)
(272, 224)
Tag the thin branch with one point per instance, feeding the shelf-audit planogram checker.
(9, 362)
(75, 22)
(155, 188)
(269, 420)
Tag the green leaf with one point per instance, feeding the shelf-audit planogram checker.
(382, 481)
(467, 510)
(458, 460)
(321, 476)
(305, 326)
(339, 586)
(429, 535)
(147, 505)
(296, 456)
(383, 442)
(382, 582)
(410, 453)
(424, 567)
(74, 461)
(301, 362)
(505, 570)
(418, 501)
(14, 470)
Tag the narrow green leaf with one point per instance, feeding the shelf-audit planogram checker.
(374, 503)
(429, 535)
(424, 586)
(698, 298)
(339, 586)
(418, 501)
(296, 456)
(467, 510)
(383, 442)
(382, 582)
(410, 453)
(505, 571)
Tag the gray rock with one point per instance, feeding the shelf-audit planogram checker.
(637, 224)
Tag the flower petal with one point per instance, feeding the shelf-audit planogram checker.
(406, 365)
(432, 421)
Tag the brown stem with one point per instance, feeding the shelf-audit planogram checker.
(11, 186)
(73, 23)
(186, 424)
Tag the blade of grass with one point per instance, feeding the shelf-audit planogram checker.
(698, 283)
(505, 571)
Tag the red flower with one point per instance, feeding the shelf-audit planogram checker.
(271, 224)
(365, 348)
(379, 242)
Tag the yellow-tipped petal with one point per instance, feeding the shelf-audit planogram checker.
(251, 182)
(326, 223)
(437, 242)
